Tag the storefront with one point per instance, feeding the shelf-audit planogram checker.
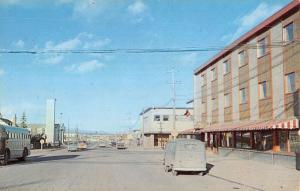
(275, 135)
(194, 133)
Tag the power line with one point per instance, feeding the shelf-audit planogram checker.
(142, 50)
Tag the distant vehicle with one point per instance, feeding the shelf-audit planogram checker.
(120, 145)
(113, 143)
(82, 145)
(185, 155)
(72, 146)
(102, 144)
(14, 143)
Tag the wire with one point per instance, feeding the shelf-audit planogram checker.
(141, 50)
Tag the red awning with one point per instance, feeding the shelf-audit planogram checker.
(254, 126)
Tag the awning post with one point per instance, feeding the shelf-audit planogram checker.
(234, 139)
(276, 147)
(208, 139)
(252, 142)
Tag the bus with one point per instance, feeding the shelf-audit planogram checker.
(14, 143)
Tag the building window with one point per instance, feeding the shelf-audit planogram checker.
(165, 118)
(261, 47)
(203, 80)
(226, 67)
(214, 103)
(288, 32)
(262, 90)
(203, 107)
(243, 97)
(242, 56)
(290, 82)
(214, 74)
(226, 100)
(156, 117)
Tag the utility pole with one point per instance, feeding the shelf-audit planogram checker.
(161, 136)
(68, 132)
(143, 128)
(174, 132)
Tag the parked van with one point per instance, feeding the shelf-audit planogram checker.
(185, 155)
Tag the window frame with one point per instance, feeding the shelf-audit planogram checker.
(285, 33)
(226, 66)
(227, 95)
(244, 58)
(165, 117)
(263, 86)
(261, 47)
(287, 91)
(156, 118)
(241, 96)
(214, 104)
(203, 81)
(203, 110)
(214, 73)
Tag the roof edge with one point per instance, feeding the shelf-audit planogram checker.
(292, 6)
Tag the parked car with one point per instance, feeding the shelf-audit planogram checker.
(82, 145)
(120, 145)
(113, 143)
(72, 146)
(102, 143)
(185, 155)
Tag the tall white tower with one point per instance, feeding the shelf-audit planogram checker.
(50, 121)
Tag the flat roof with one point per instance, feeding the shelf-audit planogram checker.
(263, 26)
(153, 108)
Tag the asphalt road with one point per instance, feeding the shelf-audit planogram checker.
(106, 169)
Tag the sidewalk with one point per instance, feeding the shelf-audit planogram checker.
(254, 173)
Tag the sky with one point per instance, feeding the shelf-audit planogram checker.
(107, 91)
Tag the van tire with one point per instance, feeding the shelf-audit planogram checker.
(24, 155)
(174, 172)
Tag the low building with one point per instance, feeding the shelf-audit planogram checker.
(247, 96)
(157, 124)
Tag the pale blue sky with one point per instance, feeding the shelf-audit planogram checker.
(106, 92)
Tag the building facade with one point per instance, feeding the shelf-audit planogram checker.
(157, 124)
(52, 131)
(247, 96)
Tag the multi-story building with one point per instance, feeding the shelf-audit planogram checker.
(158, 124)
(247, 96)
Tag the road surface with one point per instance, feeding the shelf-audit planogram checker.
(106, 169)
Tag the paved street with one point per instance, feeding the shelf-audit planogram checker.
(111, 169)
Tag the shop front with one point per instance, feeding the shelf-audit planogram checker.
(275, 135)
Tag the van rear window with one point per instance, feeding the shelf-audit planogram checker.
(189, 147)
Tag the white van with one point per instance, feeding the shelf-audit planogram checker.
(185, 155)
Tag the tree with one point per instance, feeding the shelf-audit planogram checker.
(23, 123)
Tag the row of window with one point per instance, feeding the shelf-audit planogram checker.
(18, 136)
(164, 117)
(288, 36)
(290, 84)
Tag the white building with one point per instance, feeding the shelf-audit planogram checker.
(50, 122)
(157, 124)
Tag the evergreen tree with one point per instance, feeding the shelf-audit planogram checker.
(23, 123)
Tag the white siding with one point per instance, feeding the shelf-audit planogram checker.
(209, 104)
(197, 99)
(220, 92)
(277, 74)
(235, 89)
(253, 83)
